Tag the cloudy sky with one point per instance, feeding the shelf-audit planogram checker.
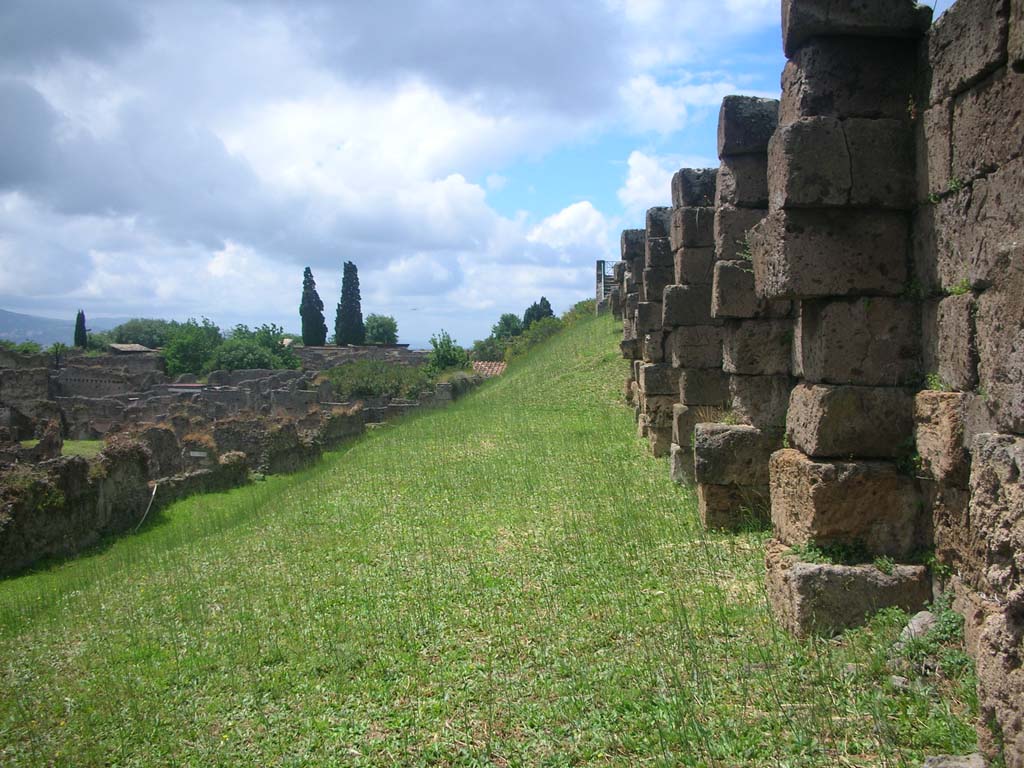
(181, 158)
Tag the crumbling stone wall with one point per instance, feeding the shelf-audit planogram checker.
(324, 358)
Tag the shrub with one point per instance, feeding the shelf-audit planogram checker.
(147, 332)
(538, 332)
(375, 378)
(445, 354)
(23, 348)
(381, 329)
(579, 311)
(269, 337)
(240, 354)
(191, 346)
(491, 348)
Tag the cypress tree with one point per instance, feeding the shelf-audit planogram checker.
(81, 334)
(311, 310)
(348, 323)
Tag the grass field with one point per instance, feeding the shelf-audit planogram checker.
(86, 448)
(509, 581)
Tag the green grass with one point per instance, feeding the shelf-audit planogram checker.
(86, 448)
(509, 581)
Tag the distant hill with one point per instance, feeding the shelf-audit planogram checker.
(44, 331)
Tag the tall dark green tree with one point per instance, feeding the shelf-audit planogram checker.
(537, 311)
(348, 322)
(311, 310)
(81, 334)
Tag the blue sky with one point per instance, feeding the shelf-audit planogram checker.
(189, 158)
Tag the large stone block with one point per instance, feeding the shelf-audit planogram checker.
(659, 221)
(967, 42)
(657, 279)
(803, 20)
(986, 125)
(760, 401)
(825, 599)
(657, 410)
(743, 181)
(660, 440)
(704, 387)
(810, 254)
(955, 544)
(949, 350)
(648, 317)
(733, 454)
(694, 187)
(632, 244)
(659, 379)
(685, 418)
(733, 294)
(745, 124)
(849, 77)
(840, 421)
(657, 252)
(687, 305)
(731, 507)
(695, 266)
(934, 150)
(692, 228)
(939, 436)
(1000, 334)
(652, 347)
(732, 227)
(1016, 37)
(680, 465)
(820, 162)
(696, 346)
(826, 503)
(871, 342)
(757, 347)
(1001, 684)
(997, 514)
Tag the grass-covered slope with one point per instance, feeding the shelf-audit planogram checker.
(508, 581)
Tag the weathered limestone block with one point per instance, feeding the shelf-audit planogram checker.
(657, 410)
(745, 124)
(1016, 41)
(733, 294)
(632, 244)
(695, 266)
(760, 401)
(660, 440)
(806, 19)
(757, 347)
(658, 379)
(825, 599)
(648, 317)
(1001, 683)
(840, 421)
(820, 162)
(659, 221)
(997, 514)
(955, 544)
(743, 182)
(704, 387)
(687, 305)
(934, 151)
(1000, 334)
(986, 124)
(731, 507)
(732, 226)
(694, 187)
(949, 349)
(870, 341)
(849, 77)
(695, 346)
(809, 254)
(733, 454)
(680, 465)
(939, 434)
(844, 502)
(692, 228)
(657, 252)
(685, 418)
(656, 279)
(652, 347)
(965, 44)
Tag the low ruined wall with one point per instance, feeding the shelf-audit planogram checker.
(19, 386)
(867, 298)
(324, 358)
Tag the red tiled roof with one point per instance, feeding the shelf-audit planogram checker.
(488, 369)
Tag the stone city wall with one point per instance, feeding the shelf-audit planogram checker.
(324, 358)
(843, 351)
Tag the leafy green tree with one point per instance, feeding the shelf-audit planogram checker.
(148, 332)
(23, 348)
(381, 329)
(311, 310)
(270, 338)
(348, 321)
(491, 348)
(537, 311)
(240, 354)
(508, 325)
(191, 346)
(445, 354)
(81, 332)
(59, 352)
